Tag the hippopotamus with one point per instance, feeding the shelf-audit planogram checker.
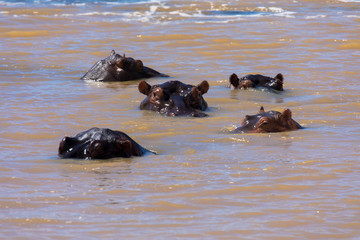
(271, 121)
(174, 98)
(100, 143)
(257, 80)
(119, 68)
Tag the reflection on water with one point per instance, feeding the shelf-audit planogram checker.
(204, 182)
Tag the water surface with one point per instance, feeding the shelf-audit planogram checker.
(204, 183)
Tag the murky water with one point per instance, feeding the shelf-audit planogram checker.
(204, 183)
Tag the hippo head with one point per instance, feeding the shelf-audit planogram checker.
(97, 143)
(271, 121)
(120, 68)
(236, 83)
(175, 98)
(257, 80)
(277, 82)
(127, 64)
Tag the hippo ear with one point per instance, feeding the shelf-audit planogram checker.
(139, 66)
(121, 62)
(62, 146)
(124, 147)
(66, 144)
(234, 80)
(144, 88)
(203, 87)
(286, 115)
(280, 77)
(261, 109)
(97, 149)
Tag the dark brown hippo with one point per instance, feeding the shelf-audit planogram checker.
(119, 68)
(175, 98)
(100, 143)
(271, 121)
(257, 80)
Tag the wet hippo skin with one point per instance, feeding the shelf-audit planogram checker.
(120, 68)
(100, 143)
(175, 98)
(256, 81)
(271, 121)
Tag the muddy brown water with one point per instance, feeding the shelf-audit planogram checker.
(204, 183)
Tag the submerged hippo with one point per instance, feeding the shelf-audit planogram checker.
(175, 98)
(100, 143)
(119, 68)
(257, 80)
(271, 121)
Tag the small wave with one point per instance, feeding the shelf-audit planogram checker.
(356, 1)
(315, 17)
(223, 15)
(99, 14)
(132, 2)
(259, 11)
(62, 3)
(230, 13)
(67, 4)
(157, 12)
(271, 9)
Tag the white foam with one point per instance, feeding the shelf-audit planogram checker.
(277, 12)
(353, 16)
(276, 9)
(99, 14)
(152, 10)
(154, 13)
(78, 4)
(182, 14)
(202, 16)
(67, 15)
(59, 4)
(315, 16)
(287, 14)
(356, 1)
(271, 9)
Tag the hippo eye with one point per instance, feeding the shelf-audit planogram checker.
(263, 122)
(154, 94)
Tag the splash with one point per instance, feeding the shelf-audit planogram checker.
(155, 12)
